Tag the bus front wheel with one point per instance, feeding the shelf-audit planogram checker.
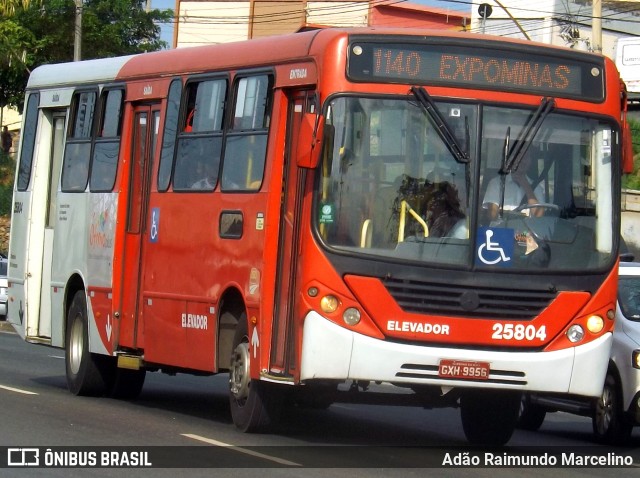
(610, 424)
(255, 405)
(531, 416)
(489, 417)
(87, 373)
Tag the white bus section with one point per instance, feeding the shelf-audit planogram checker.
(81, 73)
(333, 352)
(43, 247)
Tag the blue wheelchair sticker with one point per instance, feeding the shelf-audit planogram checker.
(494, 246)
(155, 224)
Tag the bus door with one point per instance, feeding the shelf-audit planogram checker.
(43, 215)
(57, 149)
(282, 347)
(144, 140)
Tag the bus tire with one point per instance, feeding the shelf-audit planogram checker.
(127, 384)
(87, 373)
(489, 417)
(255, 405)
(531, 416)
(610, 424)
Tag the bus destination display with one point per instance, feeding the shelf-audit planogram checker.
(476, 68)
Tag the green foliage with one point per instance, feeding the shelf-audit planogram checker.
(632, 181)
(9, 7)
(7, 168)
(15, 41)
(121, 25)
(43, 33)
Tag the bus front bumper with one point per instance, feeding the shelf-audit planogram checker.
(335, 353)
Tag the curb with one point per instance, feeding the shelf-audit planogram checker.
(6, 327)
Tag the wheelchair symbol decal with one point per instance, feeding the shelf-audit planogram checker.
(494, 246)
(155, 223)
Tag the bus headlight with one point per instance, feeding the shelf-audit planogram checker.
(595, 324)
(575, 333)
(329, 304)
(635, 359)
(351, 316)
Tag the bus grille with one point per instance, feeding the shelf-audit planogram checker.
(472, 302)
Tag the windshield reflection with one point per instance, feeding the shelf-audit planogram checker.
(393, 185)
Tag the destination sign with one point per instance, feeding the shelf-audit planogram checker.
(478, 67)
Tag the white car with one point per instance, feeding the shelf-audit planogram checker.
(617, 410)
(4, 284)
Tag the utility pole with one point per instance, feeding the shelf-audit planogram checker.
(77, 40)
(596, 26)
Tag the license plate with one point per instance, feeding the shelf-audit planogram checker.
(464, 369)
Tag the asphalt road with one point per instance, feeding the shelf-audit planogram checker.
(184, 422)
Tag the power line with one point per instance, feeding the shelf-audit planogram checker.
(362, 8)
(355, 7)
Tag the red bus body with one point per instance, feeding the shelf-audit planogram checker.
(205, 282)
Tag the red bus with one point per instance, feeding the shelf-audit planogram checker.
(433, 213)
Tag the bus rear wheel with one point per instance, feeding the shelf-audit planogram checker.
(255, 405)
(489, 417)
(87, 373)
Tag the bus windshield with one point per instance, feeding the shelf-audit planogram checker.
(393, 186)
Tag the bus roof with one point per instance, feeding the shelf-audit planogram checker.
(261, 51)
(243, 54)
(89, 71)
(289, 48)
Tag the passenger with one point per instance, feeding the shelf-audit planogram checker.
(188, 128)
(444, 215)
(207, 174)
(537, 253)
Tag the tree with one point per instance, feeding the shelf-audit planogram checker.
(632, 181)
(41, 33)
(9, 7)
(15, 41)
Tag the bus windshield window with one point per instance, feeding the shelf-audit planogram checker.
(391, 187)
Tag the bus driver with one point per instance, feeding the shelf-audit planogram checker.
(518, 190)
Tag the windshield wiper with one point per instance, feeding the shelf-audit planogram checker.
(521, 145)
(442, 127)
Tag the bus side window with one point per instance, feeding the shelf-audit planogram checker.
(104, 165)
(169, 134)
(28, 142)
(246, 141)
(200, 142)
(75, 166)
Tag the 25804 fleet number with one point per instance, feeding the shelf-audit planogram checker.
(519, 332)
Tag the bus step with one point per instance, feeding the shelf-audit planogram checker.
(131, 362)
(34, 339)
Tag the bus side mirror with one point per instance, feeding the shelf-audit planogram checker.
(627, 149)
(310, 140)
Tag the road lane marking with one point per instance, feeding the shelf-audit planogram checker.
(239, 449)
(17, 390)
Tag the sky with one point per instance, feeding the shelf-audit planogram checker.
(167, 30)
